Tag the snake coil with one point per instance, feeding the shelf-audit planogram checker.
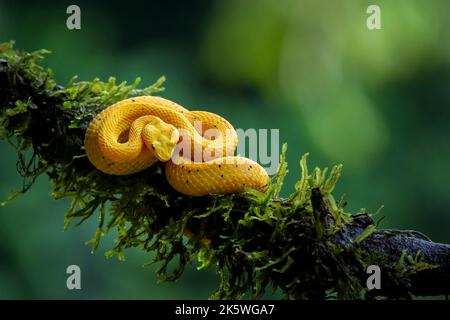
(133, 134)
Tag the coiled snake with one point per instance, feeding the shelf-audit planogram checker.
(133, 134)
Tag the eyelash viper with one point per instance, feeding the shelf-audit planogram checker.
(133, 134)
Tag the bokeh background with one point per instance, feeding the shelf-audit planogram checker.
(376, 101)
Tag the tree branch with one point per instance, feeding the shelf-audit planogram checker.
(306, 245)
(428, 282)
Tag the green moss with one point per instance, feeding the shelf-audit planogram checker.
(256, 241)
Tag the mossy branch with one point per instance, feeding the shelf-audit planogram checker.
(307, 245)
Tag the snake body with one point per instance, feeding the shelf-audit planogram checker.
(133, 134)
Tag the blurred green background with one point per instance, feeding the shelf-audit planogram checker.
(376, 101)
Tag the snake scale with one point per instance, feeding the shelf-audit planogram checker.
(133, 134)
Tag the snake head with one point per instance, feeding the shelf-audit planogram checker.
(161, 138)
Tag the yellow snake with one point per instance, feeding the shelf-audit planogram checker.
(133, 134)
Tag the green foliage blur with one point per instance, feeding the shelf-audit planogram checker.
(376, 101)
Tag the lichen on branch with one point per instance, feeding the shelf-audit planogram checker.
(307, 245)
